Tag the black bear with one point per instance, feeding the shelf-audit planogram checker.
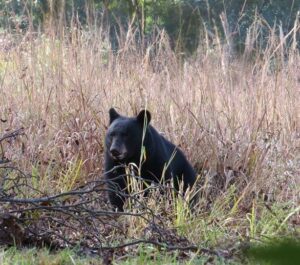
(124, 141)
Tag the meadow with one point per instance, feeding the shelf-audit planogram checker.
(237, 120)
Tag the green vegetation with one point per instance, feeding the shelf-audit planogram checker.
(43, 256)
(278, 253)
(186, 22)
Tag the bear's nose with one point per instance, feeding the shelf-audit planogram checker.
(114, 152)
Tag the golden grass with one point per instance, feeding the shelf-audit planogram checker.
(237, 120)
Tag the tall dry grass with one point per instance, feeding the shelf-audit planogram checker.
(237, 120)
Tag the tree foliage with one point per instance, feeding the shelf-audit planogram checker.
(184, 20)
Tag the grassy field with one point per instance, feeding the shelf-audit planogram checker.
(237, 120)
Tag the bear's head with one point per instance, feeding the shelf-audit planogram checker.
(124, 136)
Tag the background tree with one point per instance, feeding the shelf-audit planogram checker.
(183, 20)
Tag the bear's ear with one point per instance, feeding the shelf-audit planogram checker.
(144, 117)
(113, 114)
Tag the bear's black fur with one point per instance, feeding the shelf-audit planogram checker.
(123, 144)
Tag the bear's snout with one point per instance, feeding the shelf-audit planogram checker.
(117, 154)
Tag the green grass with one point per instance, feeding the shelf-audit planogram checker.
(143, 255)
(13, 256)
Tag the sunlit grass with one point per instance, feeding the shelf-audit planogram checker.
(237, 121)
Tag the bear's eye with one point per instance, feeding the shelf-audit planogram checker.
(112, 134)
